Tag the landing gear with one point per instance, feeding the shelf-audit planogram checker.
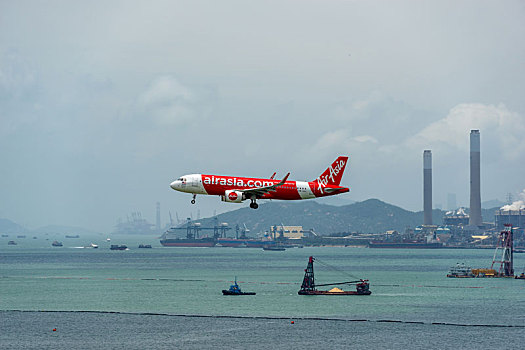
(193, 200)
(253, 204)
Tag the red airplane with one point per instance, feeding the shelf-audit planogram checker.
(237, 189)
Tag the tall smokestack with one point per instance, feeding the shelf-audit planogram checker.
(475, 192)
(158, 217)
(427, 187)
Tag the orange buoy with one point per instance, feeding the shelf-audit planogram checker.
(292, 322)
(54, 329)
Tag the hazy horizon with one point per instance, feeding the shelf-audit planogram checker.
(103, 104)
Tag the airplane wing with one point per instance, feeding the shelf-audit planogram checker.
(259, 191)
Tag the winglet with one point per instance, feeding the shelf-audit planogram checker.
(271, 178)
(283, 180)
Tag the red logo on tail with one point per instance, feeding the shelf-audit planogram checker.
(333, 175)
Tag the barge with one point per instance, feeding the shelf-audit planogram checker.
(308, 287)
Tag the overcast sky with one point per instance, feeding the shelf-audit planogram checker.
(104, 103)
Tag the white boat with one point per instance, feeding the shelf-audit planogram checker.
(460, 271)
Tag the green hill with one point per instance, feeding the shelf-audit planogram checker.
(370, 216)
(8, 226)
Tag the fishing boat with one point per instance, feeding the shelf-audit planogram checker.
(235, 290)
(308, 287)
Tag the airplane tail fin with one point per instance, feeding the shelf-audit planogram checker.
(334, 173)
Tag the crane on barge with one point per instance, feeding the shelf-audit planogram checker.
(308, 287)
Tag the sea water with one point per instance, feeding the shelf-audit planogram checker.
(171, 298)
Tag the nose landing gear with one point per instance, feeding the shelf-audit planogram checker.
(193, 200)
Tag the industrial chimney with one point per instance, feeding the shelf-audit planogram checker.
(427, 187)
(475, 192)
(157, 226)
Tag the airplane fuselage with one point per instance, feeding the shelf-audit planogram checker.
(218, 185)
(235, 189)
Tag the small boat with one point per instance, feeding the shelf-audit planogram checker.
(520, 277)
(235, 290)
(11, 243)
(308, 287)
(91, 245)
(72, 236)
(22, 236)
(118, 247)
(108, 239)
(57, 244)
(144, 245)
(5, 235)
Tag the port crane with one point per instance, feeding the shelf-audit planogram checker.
(308, 287)
(506, 263)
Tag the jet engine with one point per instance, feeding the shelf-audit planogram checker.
(233, 196)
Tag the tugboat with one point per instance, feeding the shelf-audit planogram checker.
(235, 290)
(57, 244)
(308, 286)
(144, 245)
(11, 243)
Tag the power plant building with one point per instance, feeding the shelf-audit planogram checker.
(456, 218)
(516, 218)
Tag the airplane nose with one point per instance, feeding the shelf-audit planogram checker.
(173, 185)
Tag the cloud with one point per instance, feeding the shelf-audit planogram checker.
(365, 138)
(500, 128)
(168, 101)
(17, 75)
(340, 142)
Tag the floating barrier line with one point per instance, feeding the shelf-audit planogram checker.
(452, 324)
(246, 282)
